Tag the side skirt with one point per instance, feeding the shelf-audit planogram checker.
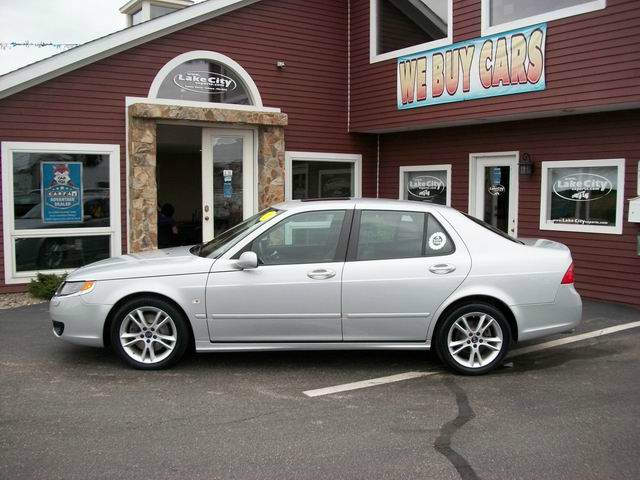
(284, 346)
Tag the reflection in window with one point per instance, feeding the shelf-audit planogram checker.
(51, 253)
(158, 11)
(503, 11)
(27, 190)
(136, 17)
(311, 179)
(406, 23)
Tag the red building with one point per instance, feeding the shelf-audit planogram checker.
(524, 114)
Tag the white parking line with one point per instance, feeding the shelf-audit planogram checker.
(319, 392)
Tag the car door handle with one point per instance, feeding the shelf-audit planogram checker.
(321, 274)
(442, 268)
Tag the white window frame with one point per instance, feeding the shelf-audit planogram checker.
(354, 158)
(615, 230)
(402, 191)
(11, 276)
(488, 29)
(375, 57)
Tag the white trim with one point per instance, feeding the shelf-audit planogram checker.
(248, 83)
(354, 158)
(424, 168)
(117, 42)
(487, 29)
(614, 162)
(187, 103)
(9, 232)
(510, 159)
(373, 37)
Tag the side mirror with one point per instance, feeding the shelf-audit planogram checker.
(248, 260)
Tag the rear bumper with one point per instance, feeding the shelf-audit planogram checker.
(541, 320)
(82, 323)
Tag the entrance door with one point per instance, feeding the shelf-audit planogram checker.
(494, 195)
(227, 179)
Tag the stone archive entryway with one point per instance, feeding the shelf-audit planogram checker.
(142, 149)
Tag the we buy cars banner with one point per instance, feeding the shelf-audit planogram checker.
(502, 64)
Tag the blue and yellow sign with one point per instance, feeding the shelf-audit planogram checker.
(61, 192)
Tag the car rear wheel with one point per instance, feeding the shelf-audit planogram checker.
(149, 333)
(473, 339)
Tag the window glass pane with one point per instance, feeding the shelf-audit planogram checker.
(405, 23)
(204, 81)
(136, 18)
(55, 200)
(385, 235)
(438, 242)
(426, 186)
(503, 11)
(158, 11)
(322, 180)
(50, 253)
(310, 237)
(582, 196)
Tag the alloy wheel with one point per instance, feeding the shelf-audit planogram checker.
(475, 340)
(148, 335)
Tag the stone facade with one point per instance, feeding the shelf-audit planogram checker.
(143, 227)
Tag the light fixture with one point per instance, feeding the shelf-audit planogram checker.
(526, 165)
(281, 65)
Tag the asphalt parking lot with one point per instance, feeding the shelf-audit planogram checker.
(570, 411)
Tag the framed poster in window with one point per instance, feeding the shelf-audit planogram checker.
(426, 183)
(583, 196)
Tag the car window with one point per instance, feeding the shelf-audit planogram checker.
(391, 234)
(310, 237)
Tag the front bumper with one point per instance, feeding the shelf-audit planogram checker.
(541, 320)
(83, 322)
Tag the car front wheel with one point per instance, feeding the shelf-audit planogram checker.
(149, 333)
(473, 339)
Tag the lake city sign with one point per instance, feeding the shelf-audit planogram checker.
(582, 187)
(204, 82)
(425, 187)
(502, 64)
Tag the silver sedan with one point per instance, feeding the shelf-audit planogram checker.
(328, 275)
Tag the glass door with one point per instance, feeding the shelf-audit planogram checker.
(227, 179)
(496, 192)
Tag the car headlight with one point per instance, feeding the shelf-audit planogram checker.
(75, 288)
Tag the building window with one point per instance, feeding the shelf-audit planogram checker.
(583, 196)
(61, 206)
(159, 11)
(136, 17)
(402, 27)
(502, 15)
(322, 175)
(426, 183)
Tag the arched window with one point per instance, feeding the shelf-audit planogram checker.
(202, 76)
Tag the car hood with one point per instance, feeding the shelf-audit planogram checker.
(152, 263)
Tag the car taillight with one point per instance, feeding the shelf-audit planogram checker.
(569, 276)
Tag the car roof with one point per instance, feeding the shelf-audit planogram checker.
(358, 203)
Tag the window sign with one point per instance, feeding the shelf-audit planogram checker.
(429, 183)
(61, 192)
(582, 196)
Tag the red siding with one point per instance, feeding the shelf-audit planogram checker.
(87, 105)
(607, 266)
(593, 61)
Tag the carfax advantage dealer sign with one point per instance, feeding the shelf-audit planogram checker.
(502, 64)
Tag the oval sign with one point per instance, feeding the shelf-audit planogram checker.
(582, 187)
(204, 82)
(425, 187)
(496, 189)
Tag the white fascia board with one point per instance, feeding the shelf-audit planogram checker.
(114, 43)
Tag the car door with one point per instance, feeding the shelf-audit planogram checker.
(400, 267)
(294, 293)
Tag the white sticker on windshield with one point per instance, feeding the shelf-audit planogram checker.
(437, 241)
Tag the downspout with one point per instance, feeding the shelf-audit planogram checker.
(378, 168)
(349, 66)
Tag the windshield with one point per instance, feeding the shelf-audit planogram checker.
(223, 242)
(495, 230)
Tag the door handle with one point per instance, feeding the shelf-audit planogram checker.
(321, 274)
(442, 268)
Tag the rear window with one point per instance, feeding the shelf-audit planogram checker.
(493, 229)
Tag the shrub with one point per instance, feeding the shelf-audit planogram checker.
(45, 285)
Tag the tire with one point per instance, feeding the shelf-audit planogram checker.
(473, 351)
(157, 343)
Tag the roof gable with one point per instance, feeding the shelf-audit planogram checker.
(114, 43)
